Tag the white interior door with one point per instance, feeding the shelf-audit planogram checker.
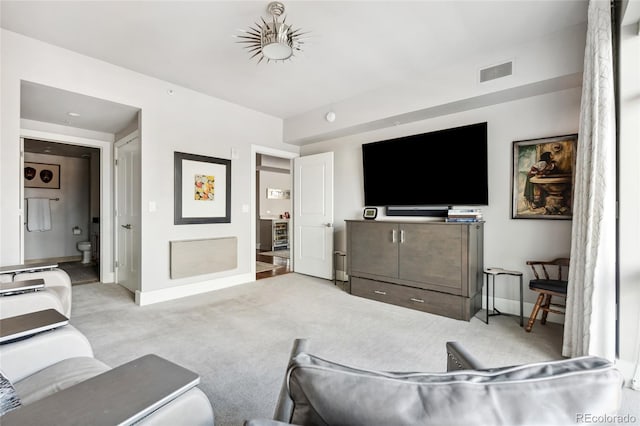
(128, 213)
(313, 215)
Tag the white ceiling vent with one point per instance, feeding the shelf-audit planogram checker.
(496, 71)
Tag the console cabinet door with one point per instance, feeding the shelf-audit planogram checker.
(373, 248)
(434, 254)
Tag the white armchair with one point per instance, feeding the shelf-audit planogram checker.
(57, 381)
(25, 357)
(55, 295)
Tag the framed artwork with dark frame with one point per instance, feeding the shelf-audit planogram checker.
(543, 177)
(202, 189)
(40, 175)
(278, 194)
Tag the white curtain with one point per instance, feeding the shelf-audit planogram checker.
(591, 311)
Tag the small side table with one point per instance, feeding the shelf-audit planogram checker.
(340, 255)
(492, 272)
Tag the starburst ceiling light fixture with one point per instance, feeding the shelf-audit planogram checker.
(274, 40)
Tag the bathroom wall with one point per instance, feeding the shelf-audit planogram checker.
(270, 207)
(72, 209)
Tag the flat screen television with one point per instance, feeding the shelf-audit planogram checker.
(442, 168)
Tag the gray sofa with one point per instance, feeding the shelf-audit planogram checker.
(58, 381)
(320, 392)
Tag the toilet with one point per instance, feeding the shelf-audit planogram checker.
(85, 248)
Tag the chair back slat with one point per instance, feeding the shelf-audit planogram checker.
(556, 269)
(546, 273)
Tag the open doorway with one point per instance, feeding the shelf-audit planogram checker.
(53, 115)
(272, 170)
(62, 200)
(273, 214)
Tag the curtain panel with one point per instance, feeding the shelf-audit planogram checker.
(591, 311)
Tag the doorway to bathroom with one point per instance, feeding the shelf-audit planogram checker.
(51, 115)
(62, 207)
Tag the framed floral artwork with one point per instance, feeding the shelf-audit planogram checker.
(202, 189)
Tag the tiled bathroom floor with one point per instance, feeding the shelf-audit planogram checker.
(81, 273)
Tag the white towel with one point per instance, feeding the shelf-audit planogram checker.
(38, 214)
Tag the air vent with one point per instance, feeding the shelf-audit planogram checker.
(496, 71)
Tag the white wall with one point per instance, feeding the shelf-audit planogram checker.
(72, 209)
(270, 207)
(508, 243)
(540, 66)
(185, 121)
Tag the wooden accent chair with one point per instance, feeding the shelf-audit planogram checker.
(550, 280)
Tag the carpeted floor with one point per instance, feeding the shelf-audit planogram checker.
(239, 338)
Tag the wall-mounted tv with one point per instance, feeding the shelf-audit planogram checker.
(442, 168)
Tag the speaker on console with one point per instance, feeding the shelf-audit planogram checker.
(416, 211)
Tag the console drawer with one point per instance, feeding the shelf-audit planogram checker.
(409, 297)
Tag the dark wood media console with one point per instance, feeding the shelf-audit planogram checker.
(434, 267)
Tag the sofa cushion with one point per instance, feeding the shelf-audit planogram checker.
(59, 376)
(327, 393)
(9, 399)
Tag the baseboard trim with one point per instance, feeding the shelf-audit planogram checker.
(512, 307)
(143, 298)
(54, 259)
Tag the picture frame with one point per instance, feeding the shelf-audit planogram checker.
(202, 189)
(278, 194)
(370, 213)
(41, 175)
(543, 175)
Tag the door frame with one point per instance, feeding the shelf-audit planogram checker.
(106, 211)
(121, 142)
(255, 150)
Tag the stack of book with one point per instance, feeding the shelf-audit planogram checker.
(464, 215)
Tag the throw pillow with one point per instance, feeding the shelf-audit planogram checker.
(9, 399)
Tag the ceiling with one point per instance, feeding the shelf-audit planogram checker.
(52, 105)
(354, 47)
(60, 149)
